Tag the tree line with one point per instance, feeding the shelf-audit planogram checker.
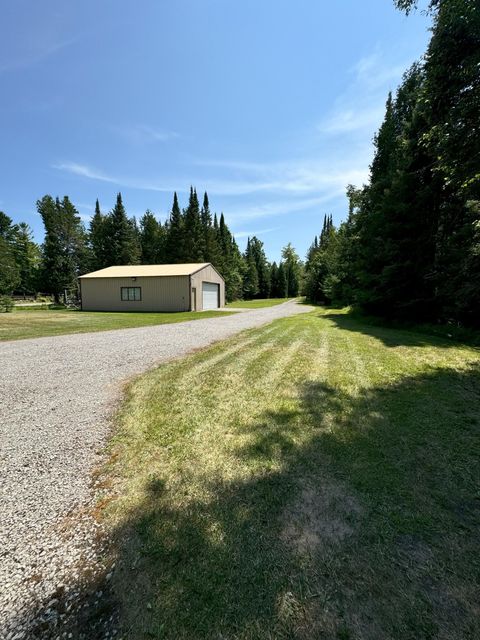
(188, 235)
(410, 246)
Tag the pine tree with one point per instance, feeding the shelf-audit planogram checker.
(230, 262)
(9, 271)
(210, 243)
(293, 270)
(97, 239)
(255, 247)
(234, 283)
(451, 106)
(151, 239)
(282, 281)
(174, 242)
(193, 234)
(274, 284)
(27, 258)
(250, 282)
(123, 245)
(64, 248)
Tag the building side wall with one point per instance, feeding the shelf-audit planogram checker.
(207, 274)
(164, 293)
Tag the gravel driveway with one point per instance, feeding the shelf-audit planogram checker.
(56, 396)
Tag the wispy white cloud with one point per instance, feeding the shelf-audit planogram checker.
(374, 71)
(141, 134)
(299, 176)
(279, 208)
(221, 187)
(84, 171)
(36, 54)
(346, 120)
(362, 105)
(296, 177)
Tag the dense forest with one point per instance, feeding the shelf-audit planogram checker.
(188, 235)
(410, 247)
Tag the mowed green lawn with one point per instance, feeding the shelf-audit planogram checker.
(315, 478)
(256, 304)
(37, 323)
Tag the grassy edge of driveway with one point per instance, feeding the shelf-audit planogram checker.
(316, 477)
(39, 323)
(259, 303)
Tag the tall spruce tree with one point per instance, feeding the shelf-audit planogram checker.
(274, 284)
(64, 247)
(9, 271)
(174, 241)
(282, 281)
(255, 247)
(194, 240)
(230, 262)
(98, 240)
(452, 107)
(123, 246)
(152, 239)
(27, 258)
(250, 281)
(210, 239)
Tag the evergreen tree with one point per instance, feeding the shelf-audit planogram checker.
(230, 263)
(274, 284)
(123, 245)
(255, 247)
(282, 281)
(174, 241)
(9, 271)
(194, 240)
(451, 106)
(250, 281)
(27, 258)
(311, 253)
(210, 239)
(98, 240)
(293, 270)
(151, 239)
(64, 248)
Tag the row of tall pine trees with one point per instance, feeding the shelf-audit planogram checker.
(189, 235)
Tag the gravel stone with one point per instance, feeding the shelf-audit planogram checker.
(57, 396)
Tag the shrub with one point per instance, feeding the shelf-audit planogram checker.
(6, 304)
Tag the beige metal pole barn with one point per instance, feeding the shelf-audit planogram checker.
(153, 287)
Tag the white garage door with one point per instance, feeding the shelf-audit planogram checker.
(210, 295)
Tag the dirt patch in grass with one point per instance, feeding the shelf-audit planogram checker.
(323, 514)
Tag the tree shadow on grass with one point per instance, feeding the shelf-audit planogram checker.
(390, 336)
(360, 520)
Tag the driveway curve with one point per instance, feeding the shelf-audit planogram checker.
(57, 396)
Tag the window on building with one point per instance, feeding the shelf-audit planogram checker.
(129, 294)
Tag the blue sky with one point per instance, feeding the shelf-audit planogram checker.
(269, 105)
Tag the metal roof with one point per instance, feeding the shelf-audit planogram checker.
(147, 270)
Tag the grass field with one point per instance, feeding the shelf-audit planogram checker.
(256, 304)
(316, 478)
(31, 322)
